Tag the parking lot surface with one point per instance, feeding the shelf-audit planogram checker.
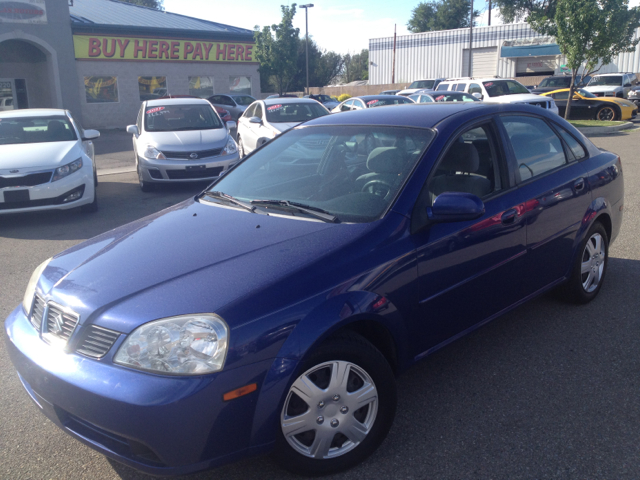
(549, 390)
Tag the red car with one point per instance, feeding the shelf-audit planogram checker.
(224, 114)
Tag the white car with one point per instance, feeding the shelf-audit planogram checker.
(498, 90)
(265, 119)
(428, 84)
(181, 140)
(46, 162)
(612, 84)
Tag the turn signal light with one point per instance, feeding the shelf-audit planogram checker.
(240, 392)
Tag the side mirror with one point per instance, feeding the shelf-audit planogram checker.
(255, 120)
(231, 124)
(477, 95)
(627, 84)
(133, 130)
(455, 207)
(90, 134)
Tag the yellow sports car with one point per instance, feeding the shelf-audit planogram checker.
(587, 106)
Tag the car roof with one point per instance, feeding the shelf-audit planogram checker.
(286, 100)
(178, 101)
(377, 97)
(34, 112)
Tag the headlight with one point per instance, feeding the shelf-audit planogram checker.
(185, 345)
(31, 286)
(153, 152)
(67, 169)
(231, 147)
(633, 93)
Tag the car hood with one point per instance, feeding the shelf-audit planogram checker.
(409, 91)
(618, 101)
(602, 88)
(33, 156)
(187, 140)
(281, 127)
(193, 257)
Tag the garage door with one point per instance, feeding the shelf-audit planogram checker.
(484, 62)
(541, 65)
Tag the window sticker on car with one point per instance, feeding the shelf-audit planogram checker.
(439, 97)
(371, 102)
(274, 107)
(154, 110)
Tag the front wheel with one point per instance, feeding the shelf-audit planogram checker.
(240, 147)
(606, 114)
(338, 410)
(590, 266)
(146, 187)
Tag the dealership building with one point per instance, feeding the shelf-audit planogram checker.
(510, 50)
(101, 58)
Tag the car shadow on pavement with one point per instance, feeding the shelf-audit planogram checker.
(546, 382)
(119, 202)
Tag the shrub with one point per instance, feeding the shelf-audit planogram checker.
(344, 97)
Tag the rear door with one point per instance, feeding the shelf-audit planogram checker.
(556, 192)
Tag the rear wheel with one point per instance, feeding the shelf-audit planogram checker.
(606, 114)
(338, 410)
(144, 185)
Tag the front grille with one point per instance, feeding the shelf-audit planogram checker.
(30, 180)
(97, 342)
(37, 312)
(187, 155)
(195, 173)
(60, 323)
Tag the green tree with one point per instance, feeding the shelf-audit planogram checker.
(277, 50)
(440, 15)
(156, 4)
(356, 67)
(323, 66)
(591, 33)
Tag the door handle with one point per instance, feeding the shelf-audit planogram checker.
(509, 216)
(579, 184)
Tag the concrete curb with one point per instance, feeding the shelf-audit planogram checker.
(114, 171)
(605, 130)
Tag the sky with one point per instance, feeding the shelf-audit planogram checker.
(344, 26)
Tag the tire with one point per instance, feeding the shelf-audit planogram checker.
(146, 187)
(91, 207)
(351, 430)
(607, 114)
(584, 285)
(240, 147)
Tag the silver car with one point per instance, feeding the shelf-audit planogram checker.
(265, 119)
(181, 140)
(235, 104)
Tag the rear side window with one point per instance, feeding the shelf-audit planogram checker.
(443, 86)
(461, 87)
(574, 146)
(536, 146)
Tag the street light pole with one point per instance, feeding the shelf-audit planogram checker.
(306, 42)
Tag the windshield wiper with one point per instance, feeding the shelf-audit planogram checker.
(308, 209)
(230, 199)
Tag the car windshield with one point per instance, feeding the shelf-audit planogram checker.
(586, 94)
(497, 88)
(610, 80)
(422, 84)
(455, 97)
(383, 101)
(557, 82)
(352, 172)
(36, 130)
(243, 100)
(172, 118)
(294, 112)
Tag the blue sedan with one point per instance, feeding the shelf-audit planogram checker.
(273, 311)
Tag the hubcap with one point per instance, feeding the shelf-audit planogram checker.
(606, 114)
(348, 400)
(593, 259)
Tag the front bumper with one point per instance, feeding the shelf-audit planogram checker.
(51, 195)
(204, 169)
(161, 425)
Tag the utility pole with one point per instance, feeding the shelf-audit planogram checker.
(471, 40)
(393, 67)
(306, 43)
(489, 12)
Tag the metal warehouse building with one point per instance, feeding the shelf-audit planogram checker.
(101, 58)
(510, 50)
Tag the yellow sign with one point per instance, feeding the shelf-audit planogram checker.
(97, 47)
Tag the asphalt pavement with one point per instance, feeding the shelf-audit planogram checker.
(548, 391)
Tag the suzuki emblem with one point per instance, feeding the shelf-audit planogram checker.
(193, 156)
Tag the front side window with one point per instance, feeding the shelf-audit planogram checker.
(561, 95)
(391, 100)
(172, 118)
(258, 112)
(498, 88)
(201, 87)
(555, 82)
(295, 112)
(586, 94)
(351, 172)
(346, 106)
(36, 130)
(102, 89)
(475, 88)
(250, 112)
(240, 85)
(535, 145)
(243, 100)
(151, 88)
